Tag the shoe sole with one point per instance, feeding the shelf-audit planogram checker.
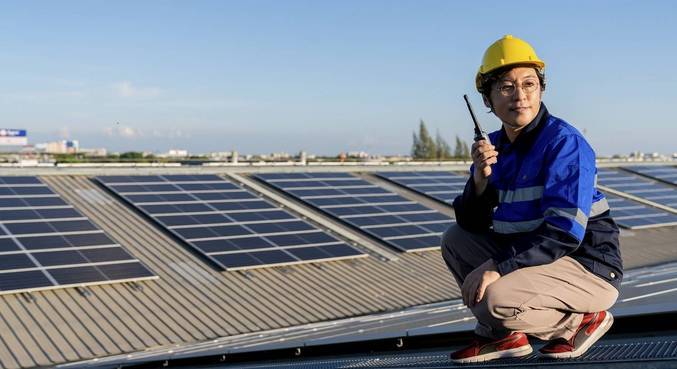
(516, 352)
(601, 330)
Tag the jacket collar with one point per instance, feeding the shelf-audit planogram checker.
(528, 134)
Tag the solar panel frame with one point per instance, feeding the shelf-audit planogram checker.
(639, 186)
(43, 240)
(350, 208)
(631, 214)
(223, 222)
(664, 173)
(432, 184)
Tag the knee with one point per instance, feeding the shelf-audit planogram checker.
(450, 240)
(497, 307)
(604, 301)
(457, 244)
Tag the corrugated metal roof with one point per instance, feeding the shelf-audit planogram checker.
(192, 301)
(647, 299)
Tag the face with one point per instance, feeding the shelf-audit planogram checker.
(516, 98)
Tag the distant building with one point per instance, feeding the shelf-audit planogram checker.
(94, 152)
(175, 153)
(636, 156)
(358, 154)
(222, 155)
(72, 146)
(654, 156)
(59, 147)
(275, 156)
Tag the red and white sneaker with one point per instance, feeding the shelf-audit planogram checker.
(484, 349)
(592, 328)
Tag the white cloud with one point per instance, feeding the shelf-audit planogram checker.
(170, 133)
(122, 131)
(126, 89)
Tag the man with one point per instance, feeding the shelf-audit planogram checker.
(534, 250)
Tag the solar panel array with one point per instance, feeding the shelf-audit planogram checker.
(226, 223)
(634, 215)
(397, 221)
(633, 184)
(441, 186)
(664, 173)
(46, 243)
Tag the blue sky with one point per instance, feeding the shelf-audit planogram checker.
(321, 76)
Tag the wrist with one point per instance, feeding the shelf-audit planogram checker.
(480, 185)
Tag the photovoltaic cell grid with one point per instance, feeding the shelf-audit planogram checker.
(401, 223)
(634, 215)
(664, 173)
(46, 243)
(441, 186)
(633, 184)
(226, 223)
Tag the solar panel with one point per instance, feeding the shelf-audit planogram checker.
(227, 224)
(663, 173)
(635, 215)
(45, 243)
(397, 221)
(633, 184)
(440, 186)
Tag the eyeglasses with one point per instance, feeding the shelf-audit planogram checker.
(508, 88)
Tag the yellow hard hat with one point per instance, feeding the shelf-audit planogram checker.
(508, 50)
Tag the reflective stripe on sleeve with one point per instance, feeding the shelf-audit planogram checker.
(574, 214)
(520, 194)
(599, 207)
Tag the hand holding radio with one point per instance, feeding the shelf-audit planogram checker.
(483, 154)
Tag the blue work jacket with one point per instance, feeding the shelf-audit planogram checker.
(541, 202)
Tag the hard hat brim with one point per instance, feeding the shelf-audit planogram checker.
(539, 64)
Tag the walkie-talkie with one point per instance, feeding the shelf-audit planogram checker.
(480, 134)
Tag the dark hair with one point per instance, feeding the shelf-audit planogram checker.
(488, 80)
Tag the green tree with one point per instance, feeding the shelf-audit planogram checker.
(68, 158)
(131, 155)
(466, 150)
(424, 145)
(416, 149)
(443, 151)
(461, 151)
(458, 149)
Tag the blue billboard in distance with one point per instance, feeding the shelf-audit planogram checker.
(12, 137)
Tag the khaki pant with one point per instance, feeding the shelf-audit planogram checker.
(545, 301)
